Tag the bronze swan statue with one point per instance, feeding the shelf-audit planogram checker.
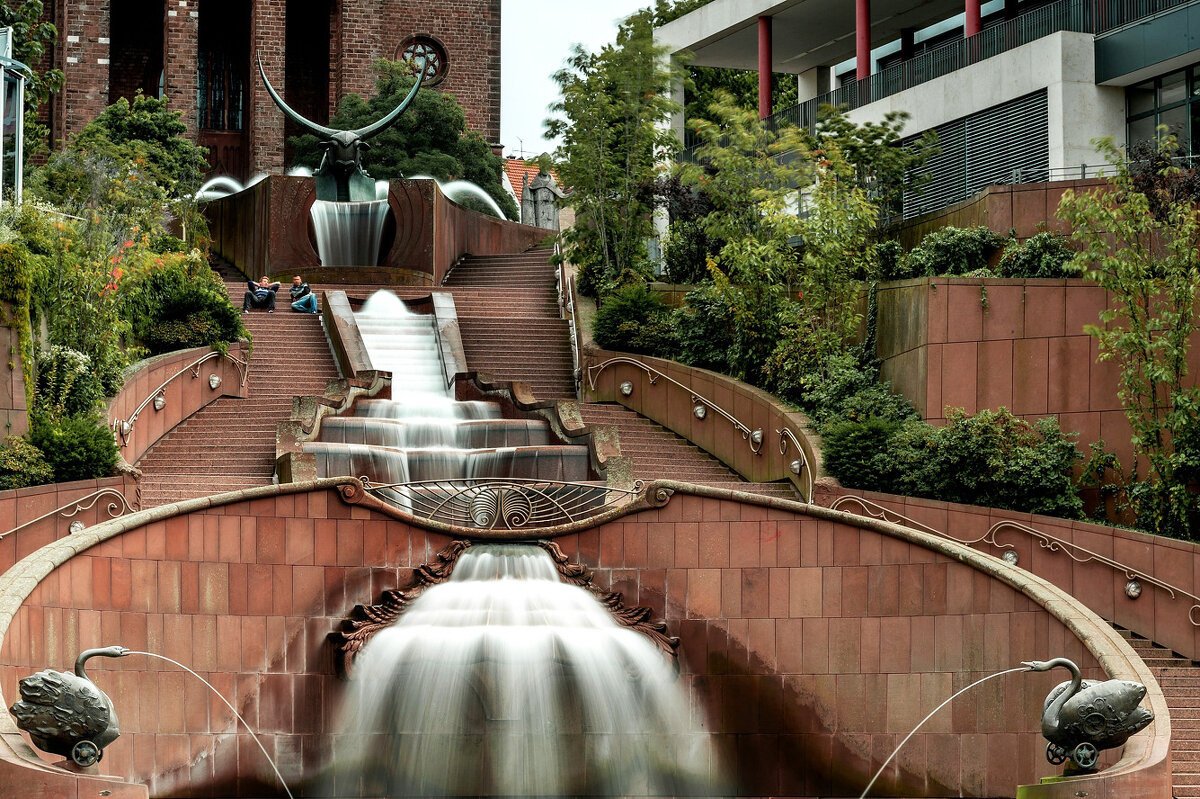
(66, 713)
(1080, 717)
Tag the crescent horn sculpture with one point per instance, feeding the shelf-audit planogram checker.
(66, 714)
(1081, 717)
(341, 176)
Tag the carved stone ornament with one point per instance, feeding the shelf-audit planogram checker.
(365, 621)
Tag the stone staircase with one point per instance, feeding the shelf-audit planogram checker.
(659, 453)
(1179, 679)
(509, 321)
(230, 444)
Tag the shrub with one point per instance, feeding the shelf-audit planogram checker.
(76, 447)
(66, 384)
(951, 251)
(851, 449)
(729, 329)
(845, 389)
(991, 459)
(177, 302)
(1040, 255)
(890, 257)
(22, 464)
(633, 319)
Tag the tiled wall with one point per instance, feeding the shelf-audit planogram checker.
(1154, 614)
(812, 646)
(1019, 344)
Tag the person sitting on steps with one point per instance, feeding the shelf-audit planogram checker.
(260, 294)
(303, 300)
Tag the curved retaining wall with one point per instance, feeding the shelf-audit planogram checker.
(668, 392)
(183, 380)
(265, 229)
(813, 639)
(1172, 621)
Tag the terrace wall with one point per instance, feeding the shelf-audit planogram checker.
(813, 640)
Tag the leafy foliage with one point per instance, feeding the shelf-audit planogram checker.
(16, 282)
(32, 36)
(610, 118)
(75, 447)
(1138, 240)
(176, 302)
(991, 459)
(430, 137)
(950, 251)
(1040, 255)
(66, 384)
(22, 464)
(633, 319)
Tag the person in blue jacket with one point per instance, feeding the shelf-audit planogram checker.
(260, 294)
(303, 300)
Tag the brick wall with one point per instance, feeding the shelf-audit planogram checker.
(85, 46)
(180, 27)
(812, 645)
(469, 30)
(360, 32)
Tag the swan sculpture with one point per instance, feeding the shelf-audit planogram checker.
(66, 714)
(1080, 717)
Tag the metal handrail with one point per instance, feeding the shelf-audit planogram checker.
(95, 497)
(122, 428)
(876, 511)
(786, 436)
(755, 437)
(566, 302)
(1044, 540)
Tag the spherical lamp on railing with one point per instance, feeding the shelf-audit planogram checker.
(214, 382)
(626, 388)
(699, 411)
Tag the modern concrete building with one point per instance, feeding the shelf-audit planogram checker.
(1016, 89)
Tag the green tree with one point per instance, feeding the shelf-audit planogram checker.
(430, 138)
(611, 118)
(1140, 240)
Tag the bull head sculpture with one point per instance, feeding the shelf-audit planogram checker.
(341, 177)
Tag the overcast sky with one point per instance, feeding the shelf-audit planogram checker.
(535, 38)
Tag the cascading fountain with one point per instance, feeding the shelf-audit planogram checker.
(506, 681)
(503, 681)
(422, 433)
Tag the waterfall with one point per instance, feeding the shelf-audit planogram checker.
(505, 681)
(349, 234)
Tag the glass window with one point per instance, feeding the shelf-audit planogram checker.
(1173, 88)
(1140, 98)
(1141, 129)
(1176, 120)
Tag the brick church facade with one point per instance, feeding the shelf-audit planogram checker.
(200, 54)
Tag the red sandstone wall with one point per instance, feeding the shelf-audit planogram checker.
(1020, 344)
(1022, 210)
(185, 393)
(14, 415)
(458, 231)
(26, 506)
(813, 646)
(1155, 614)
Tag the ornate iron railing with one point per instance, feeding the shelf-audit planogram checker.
(117, 506)
(158, 397)
(506, 504)
(1135, 577)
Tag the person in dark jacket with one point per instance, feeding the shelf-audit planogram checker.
(260, 294)
(303, 300)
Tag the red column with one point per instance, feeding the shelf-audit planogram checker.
(764, 67)
(862, 38)
(973, 23)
